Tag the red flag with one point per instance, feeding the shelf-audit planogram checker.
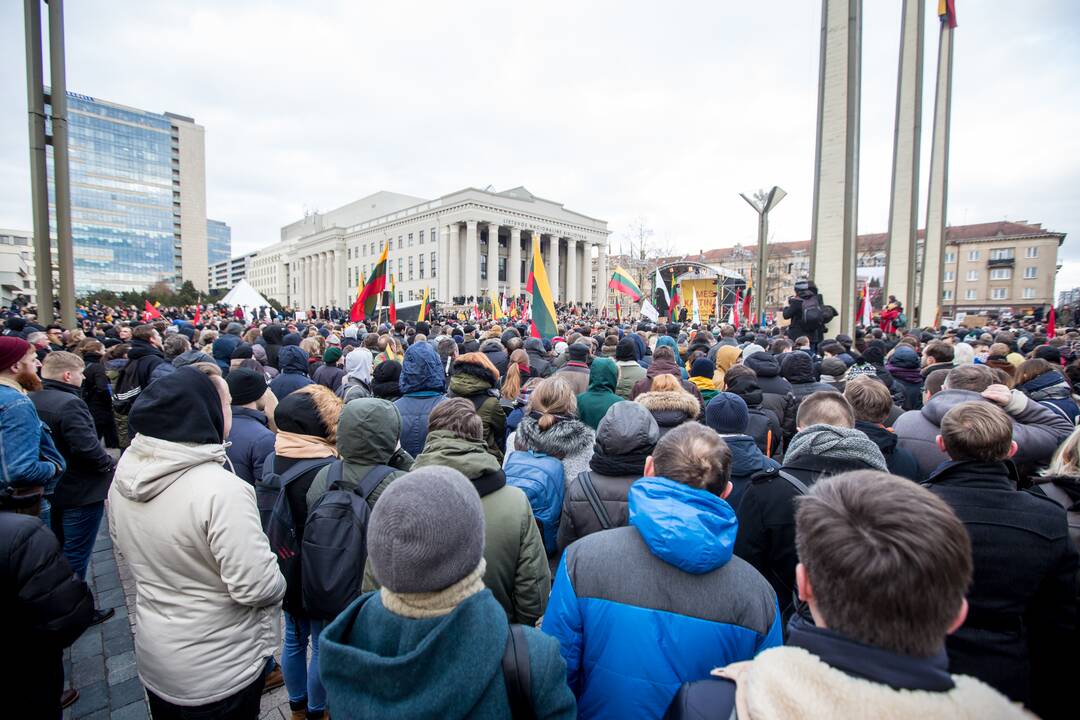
(746, 304)
(1051, 324)
(735, 311)
(198, 316)
(392, 313)
(618, 318)
(152, 312)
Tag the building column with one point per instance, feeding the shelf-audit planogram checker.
(309, 276)
(571, 270)
(340, 268)
(442, 272)
(601, 276)
(472, 260)
(324, 275)
(585, 274)
(493, 258)
(454, 259)
(513, 263)
(553, 271)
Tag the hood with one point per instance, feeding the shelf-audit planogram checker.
(798, 368)
(291, 359)
(680, 402)
(358, 364)
(565, 438)
(844, 445)
(1044, 385)
(640, 346)
(905, 357)
(150, 465)
(469, 379)
(663, 367)
(386, 380)
(273, 334)
(471, 459)
(764, 364)
(945, 401)
(535, 345)
(190, 358)
(668, 341)
(627, 427)
(603, 375)
(747, 388)
(409, 658)
(727, 356)
(746, 459)
(421, 370)
(368, 431)
(494, 350)
(141, 348)
(689, 528)
(880, 435)
(182, 407)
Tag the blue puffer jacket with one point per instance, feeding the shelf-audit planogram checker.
(1052, 389)
(422, 382)
(293, 363)
(639, 610)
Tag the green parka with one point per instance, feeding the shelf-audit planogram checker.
(593, 404)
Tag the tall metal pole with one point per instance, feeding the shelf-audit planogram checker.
(61, 170)
(35, 101)
(763, 263)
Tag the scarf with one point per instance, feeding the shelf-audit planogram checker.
(629, 463)
(836, 443)
(437, 603)
(303, 447)
(908, 375)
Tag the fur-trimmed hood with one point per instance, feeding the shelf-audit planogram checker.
(563, 439)
(468, 379)
(666, 403)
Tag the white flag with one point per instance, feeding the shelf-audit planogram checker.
(663, 286)
(648, 311)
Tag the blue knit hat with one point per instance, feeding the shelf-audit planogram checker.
(726, 413)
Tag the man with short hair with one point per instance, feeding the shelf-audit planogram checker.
(937, 356)
(1037, 430)
(145, 355)
(884, 568)
(639, 610)
(827, 443)
(576, 370)
(1023, 597)
(78, 500)
(871, 403)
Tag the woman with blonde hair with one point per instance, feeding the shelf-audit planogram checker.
(518, 373)
(551, 426)
(1061, 482)
(669, 403)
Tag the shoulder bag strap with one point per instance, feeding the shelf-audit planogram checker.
(795, 482)
(515, 667)
(371, 481)
(594, 500)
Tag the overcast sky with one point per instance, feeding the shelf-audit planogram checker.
(620, 110)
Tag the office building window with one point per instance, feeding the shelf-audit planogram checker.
(950, 257)
(410, 295)
(969, 295)
(1001, 254)
(410, 239)
(1030, 273)
(433, 274)
(399, 267)
(410, 269)
(950, 276)
(483, 266)
(421, 238)
(946, 294)
(973, 255)
(502, 269)
(1001, 273)
(420, 257)
(1029, 293)
(1031, 252)
(999, 294)
(400, 239)
(972, 275)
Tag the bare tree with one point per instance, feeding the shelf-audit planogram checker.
(644, 249)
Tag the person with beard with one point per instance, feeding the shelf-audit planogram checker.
(31, 460)
(596, 499)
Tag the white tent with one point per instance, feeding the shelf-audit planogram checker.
(245, 296)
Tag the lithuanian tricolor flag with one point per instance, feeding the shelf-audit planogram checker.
(393, 302)
(544, 324)
(496, 310)
(622, 282)
(368, 297)
(423, 308)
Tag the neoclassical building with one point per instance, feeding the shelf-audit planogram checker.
(458, 246)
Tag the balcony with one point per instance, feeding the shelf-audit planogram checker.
(1001, 263)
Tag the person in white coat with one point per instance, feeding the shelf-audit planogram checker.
(208, 603)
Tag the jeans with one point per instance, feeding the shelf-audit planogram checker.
(301, 678)
(76, 528)
(243, 705)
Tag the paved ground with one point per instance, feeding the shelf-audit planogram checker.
(101, 663)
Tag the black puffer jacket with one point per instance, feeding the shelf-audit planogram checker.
(798, 369)
(96, 390)
(626, 436)
(47, 608)
(538, 359)
(766, 411)
(271, 339)
(496, 353)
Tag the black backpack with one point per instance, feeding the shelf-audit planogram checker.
(515, 668)
(334, 548)
(282, 529)
(268, 488)
(812, 312)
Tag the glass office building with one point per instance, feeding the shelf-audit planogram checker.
(127, 168)
(218, 242)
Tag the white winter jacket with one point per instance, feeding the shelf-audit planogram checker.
(208, 603)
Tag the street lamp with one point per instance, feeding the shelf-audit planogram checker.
(763, 202)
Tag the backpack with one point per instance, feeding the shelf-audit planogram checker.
(813, 313)
(901, 320)
(127, 389)
(540, 477)
(334, 548)
(268, 487)
(515, 669)
(281, 528)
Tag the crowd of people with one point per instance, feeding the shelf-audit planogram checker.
(452, 519)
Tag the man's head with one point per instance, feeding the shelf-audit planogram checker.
(147, 333)
(38, 339)
(175, 346)
(124, 333)
(246, 387)
(18, 362)
(975, 378)
(825, 407)
(55, 334)
(64, 367)
(937, 351)
(458, 417)
(664, 354)
(869, 545)
(977, 430)
(869, 399)
(693, 455)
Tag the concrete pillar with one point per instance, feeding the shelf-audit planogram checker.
(904, 206)
(585, 275)
(442, 275)
(572, 284)
(553, 269)
(452, 262)
(324, 276)
(339, 270)
(933, 263)
(472, 260)
(513, 263)
(601, 276)
(836, 166)
(493, 258)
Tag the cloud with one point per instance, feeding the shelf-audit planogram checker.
(618, 109)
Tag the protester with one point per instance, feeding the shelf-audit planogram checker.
(422, 382)
(630, 369)
(551, 426)
(692, 606)
(596, 498)
(593, 404)
(903, 366)
(207, 586)
(293, 363)
(1046, 384)
(386, 380)
(251, 440)
(767, 411)
(431, 641)
(1061, 483)
(576, 370)
(330, 374)
(476, 379)
(538, 358)
(517, 569)
(664, 363)
(669, 403)
(701, 375)
(1022, 615)
(798, 369)
(145, 355)
(870, 546)
(728, 415)
(871, 403)
(356, 383)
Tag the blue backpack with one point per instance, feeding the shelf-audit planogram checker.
(540, 477)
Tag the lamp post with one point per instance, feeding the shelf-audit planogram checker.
(763, 202)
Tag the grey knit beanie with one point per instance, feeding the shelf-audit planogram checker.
(426, 531)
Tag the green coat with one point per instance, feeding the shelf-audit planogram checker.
(469, 381)
(629, 374)
(593, 404)
(517, 567)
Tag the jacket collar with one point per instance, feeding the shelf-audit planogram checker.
(878, 665)
(1000, 475)
(47, 384)
(256, 415)
(12, 383)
